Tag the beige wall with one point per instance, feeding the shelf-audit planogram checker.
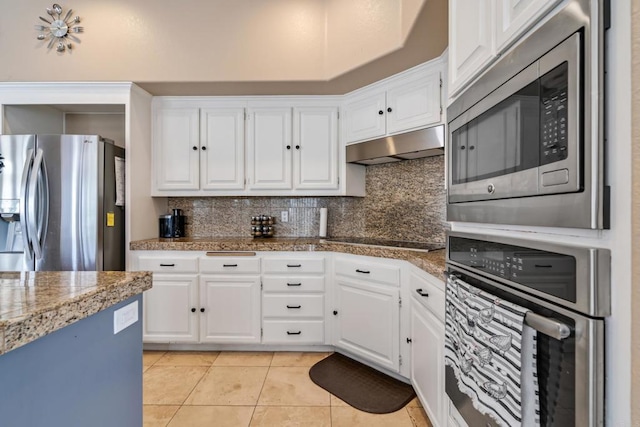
(107, 125)
(212, 41)
(635, 282)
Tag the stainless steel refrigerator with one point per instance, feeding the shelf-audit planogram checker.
(61, 203)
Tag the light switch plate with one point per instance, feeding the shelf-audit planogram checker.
(284, 216)
(125, 317)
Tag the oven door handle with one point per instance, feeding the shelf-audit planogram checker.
(550, 327)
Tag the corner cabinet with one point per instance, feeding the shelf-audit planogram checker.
(409, 100)
(366, 310)
(481, 30)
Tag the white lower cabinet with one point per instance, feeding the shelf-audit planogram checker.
(427, 348)
(169, 309)
(230, 308)
(293, 295)
(366, 321)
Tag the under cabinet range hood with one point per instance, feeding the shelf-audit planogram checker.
(404, 146)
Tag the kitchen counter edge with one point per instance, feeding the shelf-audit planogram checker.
(61, 303)
(433, 262)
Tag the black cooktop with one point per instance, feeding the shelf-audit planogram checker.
(422, 246)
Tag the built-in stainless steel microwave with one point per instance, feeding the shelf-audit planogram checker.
(525, 142)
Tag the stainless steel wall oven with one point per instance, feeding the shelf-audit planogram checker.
(526, 140)
(565, 291)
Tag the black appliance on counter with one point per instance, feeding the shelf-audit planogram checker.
(171, 225)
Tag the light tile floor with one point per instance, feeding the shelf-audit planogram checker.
(192, 389)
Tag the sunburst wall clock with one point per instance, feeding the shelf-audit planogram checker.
(59, 31)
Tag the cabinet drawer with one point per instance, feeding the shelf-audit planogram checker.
(168, 264)
(386, 274)
(293, 284)
(300, 305)
(293, 332)
(428, 294)
(294, 265)
(229, 265)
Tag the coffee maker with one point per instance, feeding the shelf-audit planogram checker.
(172, 225)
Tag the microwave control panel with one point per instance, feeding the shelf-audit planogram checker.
(553, 120)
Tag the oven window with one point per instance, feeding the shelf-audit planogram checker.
(502, 140)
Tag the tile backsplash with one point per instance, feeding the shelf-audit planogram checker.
(405, 201)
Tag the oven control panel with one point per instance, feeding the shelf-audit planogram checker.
(548, 272)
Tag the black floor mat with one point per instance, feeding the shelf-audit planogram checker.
(360, 386)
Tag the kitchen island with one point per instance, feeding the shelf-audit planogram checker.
(64, 360)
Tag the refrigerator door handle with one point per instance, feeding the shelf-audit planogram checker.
(24, 205)
(34, 229)
(43, 196)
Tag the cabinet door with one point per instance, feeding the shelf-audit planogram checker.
(269, 148)
(222, 149)
(169, 309)
(231, 309)
(415, 104)
(471, 40)
(176, 149)
(365, 117)
(427, 362)
(514, 17)
(368, 321)
(315, 138)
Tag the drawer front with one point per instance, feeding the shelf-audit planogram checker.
(387, 274)
(168, 264)
(428, 295)
(229, 265)
(293, 332)
(294, 265)
(293, 305)
(293, 284)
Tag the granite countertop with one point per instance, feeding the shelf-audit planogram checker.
(430, 261)
(34, 304)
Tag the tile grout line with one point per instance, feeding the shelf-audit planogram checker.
(261, 388)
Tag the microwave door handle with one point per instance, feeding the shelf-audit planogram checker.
(550, 327)
(24, 205)
(31, 207)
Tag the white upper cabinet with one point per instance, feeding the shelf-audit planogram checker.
(513, 16)
(222, 148)
(315, 154)
(414, 104)
(409, 100)
(364, 117)
(269, 148)
(176, 149)
(197, 149)
(481, 30)
(257, 146)
(471, 39)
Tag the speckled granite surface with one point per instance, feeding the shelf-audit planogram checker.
(432, 262)
(404, 201)
(34, 304)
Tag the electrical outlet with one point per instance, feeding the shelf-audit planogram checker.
(125, 316)
(284, 216)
